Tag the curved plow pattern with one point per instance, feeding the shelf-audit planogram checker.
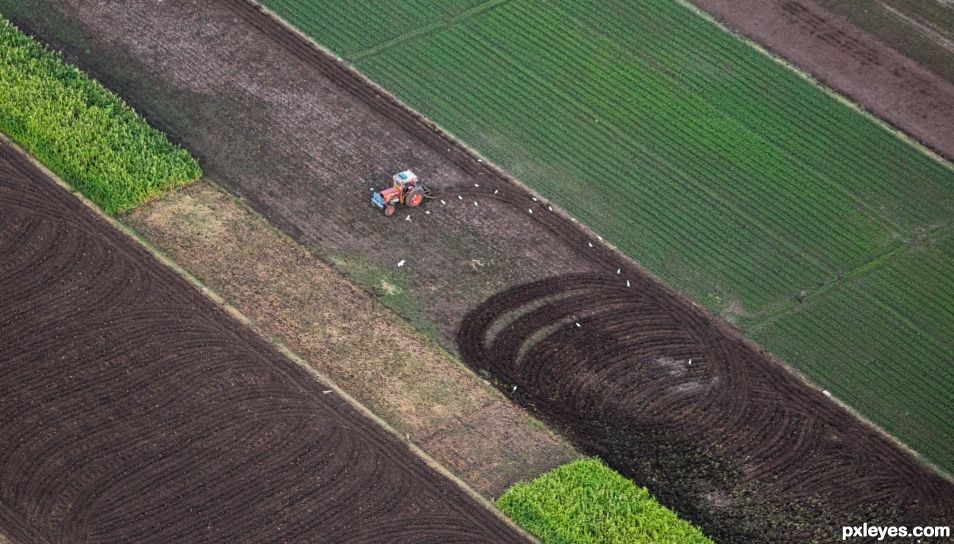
(134, 410)
(643, 379)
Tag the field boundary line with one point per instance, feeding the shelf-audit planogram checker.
(897, 132)
(722, 325)
(933, 33)
(899, 250)
(876, 261)
(284, 350)
(444, 23)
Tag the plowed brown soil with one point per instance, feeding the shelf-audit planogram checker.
(734, 441)
(132, 409)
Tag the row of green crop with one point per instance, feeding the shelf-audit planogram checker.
(724, 138)
(81, 131)
(585, 502)
(697, 140)
(731, 177)
(881, 342)
(829, 123)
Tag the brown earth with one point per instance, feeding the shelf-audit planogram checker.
(343, 332)
(842, 56)
(744, 448)
(133, 409)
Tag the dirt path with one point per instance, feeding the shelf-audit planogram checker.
(348, 336)
(838, 53)
(729, 443)
(132, 409)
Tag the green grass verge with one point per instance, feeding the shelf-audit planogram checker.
(586, 502)
(82, 132)
(734, 179)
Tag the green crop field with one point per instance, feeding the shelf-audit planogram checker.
(740, 183)
(585, 502)
(81, 131)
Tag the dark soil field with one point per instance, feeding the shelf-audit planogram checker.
(561, 323)
(844, 57)
(132, 409)
(741, 447)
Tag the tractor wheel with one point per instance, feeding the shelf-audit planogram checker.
(389, 210)
(415, 198)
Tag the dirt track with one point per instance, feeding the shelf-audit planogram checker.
(729, 443)
(838, 53)
(134, 410)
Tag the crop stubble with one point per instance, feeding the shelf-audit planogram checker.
(134, 410)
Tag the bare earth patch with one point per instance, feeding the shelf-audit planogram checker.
(344, 333)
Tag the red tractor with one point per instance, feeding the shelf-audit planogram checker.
(406, 189)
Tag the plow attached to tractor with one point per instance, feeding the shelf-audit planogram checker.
(406, 189)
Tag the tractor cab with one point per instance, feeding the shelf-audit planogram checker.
(405, 180)
(405, 189)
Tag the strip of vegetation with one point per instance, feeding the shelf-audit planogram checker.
(586, 502)
(82, 132)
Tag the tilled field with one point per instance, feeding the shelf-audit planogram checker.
(743, 448)
(134, 410)
(669, 397)
(747, 450)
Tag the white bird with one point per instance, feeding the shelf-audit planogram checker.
(600, 237)
(573, 219)
(496, 191)
(578, 325)
(442, 201)
(515, 389)
(591, 244)
(627, 283)
(460, 197)
(408, 218)
(690, 361)
(529, 210)
(476, 185)
(534, 198)
(550, 208)
(428, 212)
(401, 263)
(618, 270)
(475, 203)
(480, 160)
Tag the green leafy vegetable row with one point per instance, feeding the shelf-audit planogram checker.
(586, 502)
(82, 132)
